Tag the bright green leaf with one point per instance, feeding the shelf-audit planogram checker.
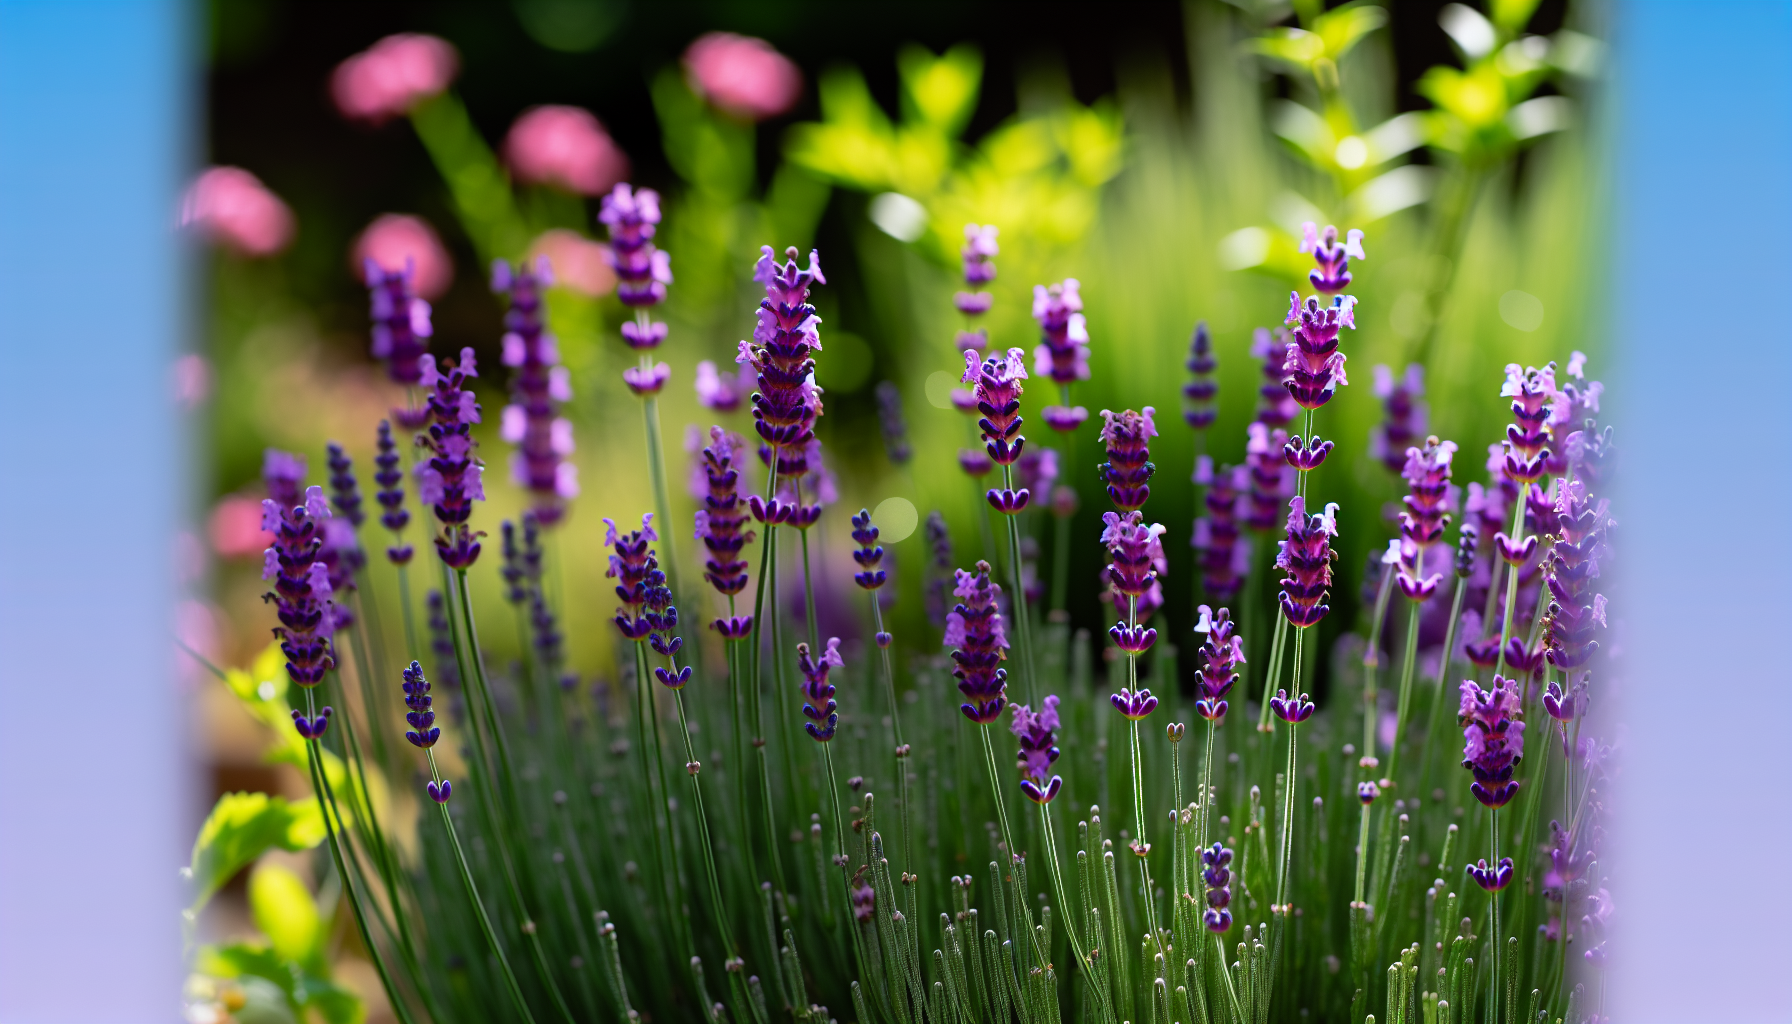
(1342, 28)
(1512, 15)
(241, 828)
(941, 91)
(285, 912)
(1294, 46)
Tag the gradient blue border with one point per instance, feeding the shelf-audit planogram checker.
(95, 803)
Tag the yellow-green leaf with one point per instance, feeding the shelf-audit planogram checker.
(941, 91)
(285, 912)
(241, 828)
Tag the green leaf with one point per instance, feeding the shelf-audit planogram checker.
(1343, 27)
(940, 91)
(285, 912)
(241, 828)
(1511, 16)
(334, 1004)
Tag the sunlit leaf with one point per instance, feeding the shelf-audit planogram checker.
(941, 91)
(1341, 28)
(241, 828)
(285, 912)
(1093, 140)
(1512, 15)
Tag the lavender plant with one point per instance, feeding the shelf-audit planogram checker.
(568, 878)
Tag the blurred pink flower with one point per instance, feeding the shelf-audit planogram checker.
(564, 146)
(387, 79)
(191, 380)
(578, 263)
(393, 238)
(742, 75)
(235, 528)
(237, 211)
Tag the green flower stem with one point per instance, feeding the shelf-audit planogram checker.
(1493, 901)
(1076, 942)
(485, 921)
(736, 979)
(841, 861)
(1371, 663)
(1280, 912)
(326, 799)
(901, 761)
(1499, 665)
(497, 728)
(1023, 621)
(755, 713)
(1274, 673)
(995, 791)
(1406, 670)
(653, 783)
(1441, 699)
(404, 604)
(809, 594)
(662, 504)
(1238, 1016)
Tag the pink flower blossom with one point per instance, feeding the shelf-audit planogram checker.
(744, 76)
(236, 527)
(391, 76)
(578, 263)
(565, 147)
(237, 211)
(394, 238)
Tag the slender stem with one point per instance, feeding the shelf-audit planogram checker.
(485, 922)
(900, 753)
(1499, 665)
(1076, 942)
(1019, 596)
(1372, 663)
(320, 788)
(1143, 849)
(1226, 974)
(404, 601)
(1493, 899)
(1412, 654)
(718, 908)
(858, 941)
(662, 504)
(1274, 674)
(995, 789)
(755, 713)
(1362, 855)
(809, 594)
(652, 769)
(1441, 700)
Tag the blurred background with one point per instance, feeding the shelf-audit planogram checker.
(1164, 154)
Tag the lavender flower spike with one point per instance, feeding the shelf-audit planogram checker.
(1493, 738)
(635, 571)
(642, 270)
(788, 401)
(531, 421)
(979, 269)
(1492, 879)
(283, 473)
(1332, 275)
(302, 592)
(1063, 351)
(1202, 388)
(390, 479)
(401, 324)
(1405, 413)
(450, 480)
(974, 628)
(345, 490)
(1220, 652)
(723, 514)
(869, 554)
(819, 707)
(1306, 559)
(423, 732)
(1314, 369)
(998, 388)
(1293, 710)
(1126, 436)
(1038, 749)
(1133, 705)
(1216, 873)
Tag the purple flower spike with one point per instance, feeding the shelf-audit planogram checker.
(820, 709)
(1572, 567)
(1314, 369)
(1430, 497)
(1275, 407)
(723, 514)
(1223, 560)
(532, 420)
(718, 391)
(975, 463)
(1008, 502)
(450, 480)
(642, 271)
(997, 382)
(345, 490)
(1333, 273)
(1134, 550)
(673, 680)
(441, 793)
(1306, 456)
(642, 339)
(1216, 874)
(1293, 710)
(302, 591)
(1126, 436)
(1064, 419)
(1534, 400)
(401, 324)
(1132, 639)
(1491, 879)
(647, 380)
(1038, 749)
(312, 728)
(283, 473)
(390, 478)
(869, 554)
(1063, 351)
(1133, 705)
(1405, 415)
(636, 572)
(423, 732)
(1368, 792)
(979, 250)
(1306, 561)
(1201, 390)
(974, 628)
(1272, 480)
(1222, 650)
(1565, 707)
(788, 401)
(891, 424)
(1493, 737)
(737, 627)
